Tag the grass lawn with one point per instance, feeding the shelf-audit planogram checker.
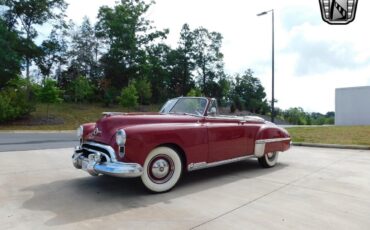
(345, 135)
(65, 116)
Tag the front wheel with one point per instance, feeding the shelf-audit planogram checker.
(162, 169)
(268, 160)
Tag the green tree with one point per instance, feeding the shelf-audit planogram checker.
(208, 59)
(81, 89)
(224, 92)
(181, 81)
(129, 97)
(195, 92)
(10, 59)
(127, 34)
(49, 94)
(84, 50)
(157, 72)
(26, 14)
(181, 63)
(295, 116)
(248, 92)
(143, 89)
(52, 51)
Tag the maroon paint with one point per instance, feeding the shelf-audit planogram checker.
(201, 139)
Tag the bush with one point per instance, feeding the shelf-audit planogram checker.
(17, 99)
(7, 111)
(144, 92)
(129, 97)
(111, 95)
(49, 94)
(81, 89)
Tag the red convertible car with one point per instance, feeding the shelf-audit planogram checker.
(187, 134)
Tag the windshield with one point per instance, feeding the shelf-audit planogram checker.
(192, 106)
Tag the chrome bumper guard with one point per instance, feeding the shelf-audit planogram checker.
(96, 159)
(259, 148)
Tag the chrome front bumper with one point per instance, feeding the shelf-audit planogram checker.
(98, 159)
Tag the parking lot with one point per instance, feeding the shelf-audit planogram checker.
(311, 188)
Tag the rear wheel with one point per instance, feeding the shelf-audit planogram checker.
(268, 160)
(162, 169)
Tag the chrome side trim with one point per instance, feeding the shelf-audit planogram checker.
(264, 141)
(113, 113)
(203, 165)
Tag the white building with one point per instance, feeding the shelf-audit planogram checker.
(352, 106)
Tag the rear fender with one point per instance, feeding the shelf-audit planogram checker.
(271, 139)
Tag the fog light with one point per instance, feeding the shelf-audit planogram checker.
(97, 157)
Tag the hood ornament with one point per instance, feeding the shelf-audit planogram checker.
(96, 132)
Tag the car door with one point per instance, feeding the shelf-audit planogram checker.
(226, 138)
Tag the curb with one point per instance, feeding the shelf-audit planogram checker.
(37, 131)
(332, 146)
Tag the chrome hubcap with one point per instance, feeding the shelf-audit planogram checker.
(271, 156)
(160, 168)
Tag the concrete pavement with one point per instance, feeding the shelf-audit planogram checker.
(311, 188)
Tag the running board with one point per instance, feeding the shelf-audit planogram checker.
(203, 165)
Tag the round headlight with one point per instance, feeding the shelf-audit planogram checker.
(80, 131)
(120, 137)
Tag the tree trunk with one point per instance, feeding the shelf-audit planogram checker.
(27, 68)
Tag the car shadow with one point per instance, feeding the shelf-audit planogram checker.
(89, 197)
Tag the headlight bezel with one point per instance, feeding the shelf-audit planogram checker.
(80, 132)
(121, 137)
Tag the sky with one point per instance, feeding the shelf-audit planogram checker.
(312, 58)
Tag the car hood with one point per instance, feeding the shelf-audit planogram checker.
(106, 127)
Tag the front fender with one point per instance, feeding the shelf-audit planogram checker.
(87, 129)
(190, 138)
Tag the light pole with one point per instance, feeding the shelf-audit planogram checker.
(273, 64)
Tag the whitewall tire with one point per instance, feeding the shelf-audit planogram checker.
(162, 169)
(269, 159)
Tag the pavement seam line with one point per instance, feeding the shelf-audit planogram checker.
(239, 207)
(269, 193)
(307, 188)
(325, 191)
